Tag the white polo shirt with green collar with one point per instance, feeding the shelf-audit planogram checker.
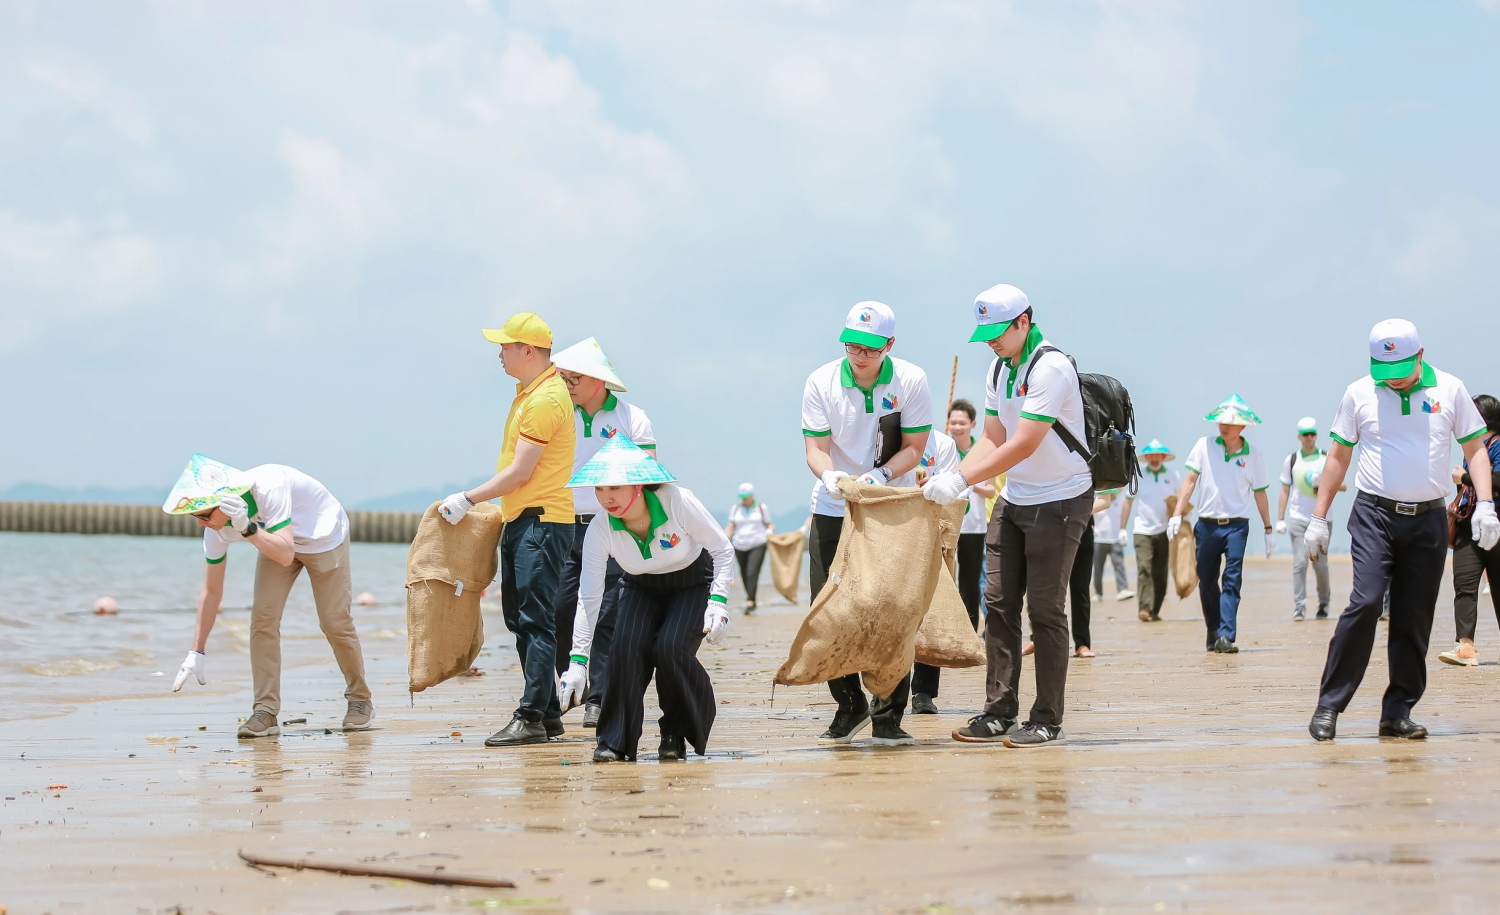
(834, 406)
(681, 529)
(280, 496)
(1151, 499)
(1227, 480)
(1406, 438)
(1052, 473)
(615, 417)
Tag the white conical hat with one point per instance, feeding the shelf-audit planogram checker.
(621, 462)
(1235, 412)
(203, 484)
(587, 358)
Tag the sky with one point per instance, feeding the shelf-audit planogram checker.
(272, 232)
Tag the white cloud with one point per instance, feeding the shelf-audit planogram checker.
(92, 92)
(1448, 243)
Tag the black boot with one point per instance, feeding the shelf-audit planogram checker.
(672, 749)
(885, 717)
(853, 713)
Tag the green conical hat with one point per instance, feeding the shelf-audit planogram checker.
(203, 484)
(621, 462)
(1235, 412)
(1156, 447)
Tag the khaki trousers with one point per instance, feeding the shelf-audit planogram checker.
(329, 574)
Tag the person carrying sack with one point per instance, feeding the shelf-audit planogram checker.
(295, 523)
(1405, 415)
(599, 414)
(749, 525)
(1038, 520)
(673, 595)
(940, 455)
(1232, 475)
(865, 416)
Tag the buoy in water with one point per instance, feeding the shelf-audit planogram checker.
(106, 606)
(365, 600)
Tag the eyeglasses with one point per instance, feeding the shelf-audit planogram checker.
(570, 379)
(204, 516)
(863, 352)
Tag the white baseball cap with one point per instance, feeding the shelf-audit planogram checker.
(1394, 344)
(587, 358)
(871, 324)
(995, 309)
(746, 489)
(1306, 424)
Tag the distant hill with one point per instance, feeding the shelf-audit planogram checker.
(41, 492)
(414, 500)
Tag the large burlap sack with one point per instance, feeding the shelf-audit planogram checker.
(786, 562)
(1182, 555)
(946, 637)
(880, 585)
(447, 568)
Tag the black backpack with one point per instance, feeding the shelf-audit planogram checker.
(1108, 426)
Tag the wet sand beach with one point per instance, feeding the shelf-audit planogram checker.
(1189, 784)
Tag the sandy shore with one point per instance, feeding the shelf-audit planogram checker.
(1189, 785)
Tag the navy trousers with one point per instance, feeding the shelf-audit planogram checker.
(1405, 553)
(531, 561)
(567, 612)
(1221, 544)
(658, 628)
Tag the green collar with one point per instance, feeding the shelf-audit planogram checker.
(1317, 452)
(658, 518)
(887, 372)
(1156, 474)
(1033, 340)
(1244, 447)
(253, 509)
(1428, 379)
(610, 402)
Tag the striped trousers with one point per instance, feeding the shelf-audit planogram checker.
(658, 628)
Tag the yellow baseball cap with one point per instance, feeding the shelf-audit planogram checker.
(526, 328)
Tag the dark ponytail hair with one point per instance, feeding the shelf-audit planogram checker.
(1489, 408)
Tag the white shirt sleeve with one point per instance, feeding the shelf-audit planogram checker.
(641, 431)
(591, 583)
(1467, 421)
(916, 413)
(814, 413)
(701, 526)
(991, 389)
(275, 505)
(215, 547)
(1346, 421)
(1259, 480)
(1048, 388)
(1286, 471)
(1197, 459)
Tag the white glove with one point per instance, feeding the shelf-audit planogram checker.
(874, 478)
(455, 507)
(573, 686)
(236, 510)
(1316, 538)
(831, 482)
(1174, 524)
(1124, 539)
(715, 622)
(1281, 527)
(1270, 544)
(944, 487)
(194, 664)
(1485, 526)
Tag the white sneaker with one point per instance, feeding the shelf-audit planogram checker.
(1127, 594)
(1453, 657)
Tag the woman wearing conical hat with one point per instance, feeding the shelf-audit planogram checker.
(1232, 474)
(678, 565)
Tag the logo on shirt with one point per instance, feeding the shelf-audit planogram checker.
(1240, 463)
(927, 459)
(668, 542)
(1431, 406)
(889, 401)
(1389, 346)
(608, 432)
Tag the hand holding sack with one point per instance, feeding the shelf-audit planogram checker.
(195, 664)
(831, 482)
(1174, 524)
(236, 510)
(455, 507)
(573, 686)
(1485, 526)
(1316, 538)
(945, 487)
(715, 622)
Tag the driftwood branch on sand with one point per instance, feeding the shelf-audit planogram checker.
(437, 877)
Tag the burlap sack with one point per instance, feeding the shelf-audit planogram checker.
(444, 628)
(880, 585)
(786, 562)
(946, 637)
(1182, 555)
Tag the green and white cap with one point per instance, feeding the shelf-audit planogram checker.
(1234, 412)
(871, 324)
(1307, 424)
(995, 309)
(621, 462)
(587, 358)
(747, 489)
(1156, 447)
(203, 485)
(1394, 345)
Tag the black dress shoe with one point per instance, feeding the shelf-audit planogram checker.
(1224, 646)
(554, 727)
(1404, 728)
(591, 716)
(605, 754)
(518, 733)
(673, 749)
(922, 704)
(1324, 724)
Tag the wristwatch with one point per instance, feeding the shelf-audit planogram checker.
(253, 528)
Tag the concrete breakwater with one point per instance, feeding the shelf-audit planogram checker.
(151, 521)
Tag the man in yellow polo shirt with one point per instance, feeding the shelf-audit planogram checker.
(535, 464)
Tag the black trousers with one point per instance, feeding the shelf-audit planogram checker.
(567, 612)
(1405, 553)
(1078, 589)
(847, 691)
(531, 560)
(925, 677)
(750, 561)
(658, 628)
(1470, 563)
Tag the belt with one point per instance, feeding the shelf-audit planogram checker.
(583, 519)
(1401, 508)
(1221, 521)
(535, 511)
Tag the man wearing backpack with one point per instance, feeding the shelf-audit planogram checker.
(1038, 519)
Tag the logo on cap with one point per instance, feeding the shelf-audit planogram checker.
(1389, 346)
(983, 309)
(864, 317)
